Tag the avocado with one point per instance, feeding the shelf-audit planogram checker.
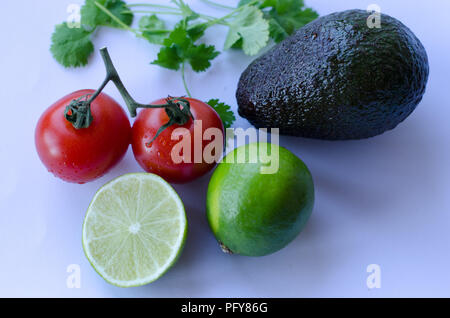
(336, 79)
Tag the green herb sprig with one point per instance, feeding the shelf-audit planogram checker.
(250, 25)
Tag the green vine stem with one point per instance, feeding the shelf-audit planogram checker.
(78, 112)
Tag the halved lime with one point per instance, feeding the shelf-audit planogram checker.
(134, 229)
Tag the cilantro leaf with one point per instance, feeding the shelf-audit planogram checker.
(153, 29)
(250, 26)
(224, 111)
(284, 16)
(289, 15)
(93, 16)
(196, 32)
(168, 58)
(277, 32)
(179, 48)
(119, 9)
(71, 47)
(200, 56)
(178, 38)
(171, 55)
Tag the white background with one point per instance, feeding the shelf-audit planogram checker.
(384, 200)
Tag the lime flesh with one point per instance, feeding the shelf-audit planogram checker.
(256, 214)
(134, 229)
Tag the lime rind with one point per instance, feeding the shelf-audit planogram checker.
(166, 218)
(257, 214)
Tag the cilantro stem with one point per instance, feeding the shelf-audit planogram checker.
(203, 16)
(219, 5)
(184, 81)
(117, 20)
(209, 24)
(207, 17)
(112, 73)
(155, 12)
(229, 15)
(151, 5)
(155, 31)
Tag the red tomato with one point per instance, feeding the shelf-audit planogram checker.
(82, 155)
(156, 157)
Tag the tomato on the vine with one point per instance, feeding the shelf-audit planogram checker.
(84, 154)
(86, 133)
(155, 156)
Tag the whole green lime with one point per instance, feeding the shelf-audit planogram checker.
(257, 207)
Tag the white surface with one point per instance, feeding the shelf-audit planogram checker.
(384, 200)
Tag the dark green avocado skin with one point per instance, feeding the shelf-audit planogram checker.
(336, 79)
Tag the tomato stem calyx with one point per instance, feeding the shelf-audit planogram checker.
(78, 112)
